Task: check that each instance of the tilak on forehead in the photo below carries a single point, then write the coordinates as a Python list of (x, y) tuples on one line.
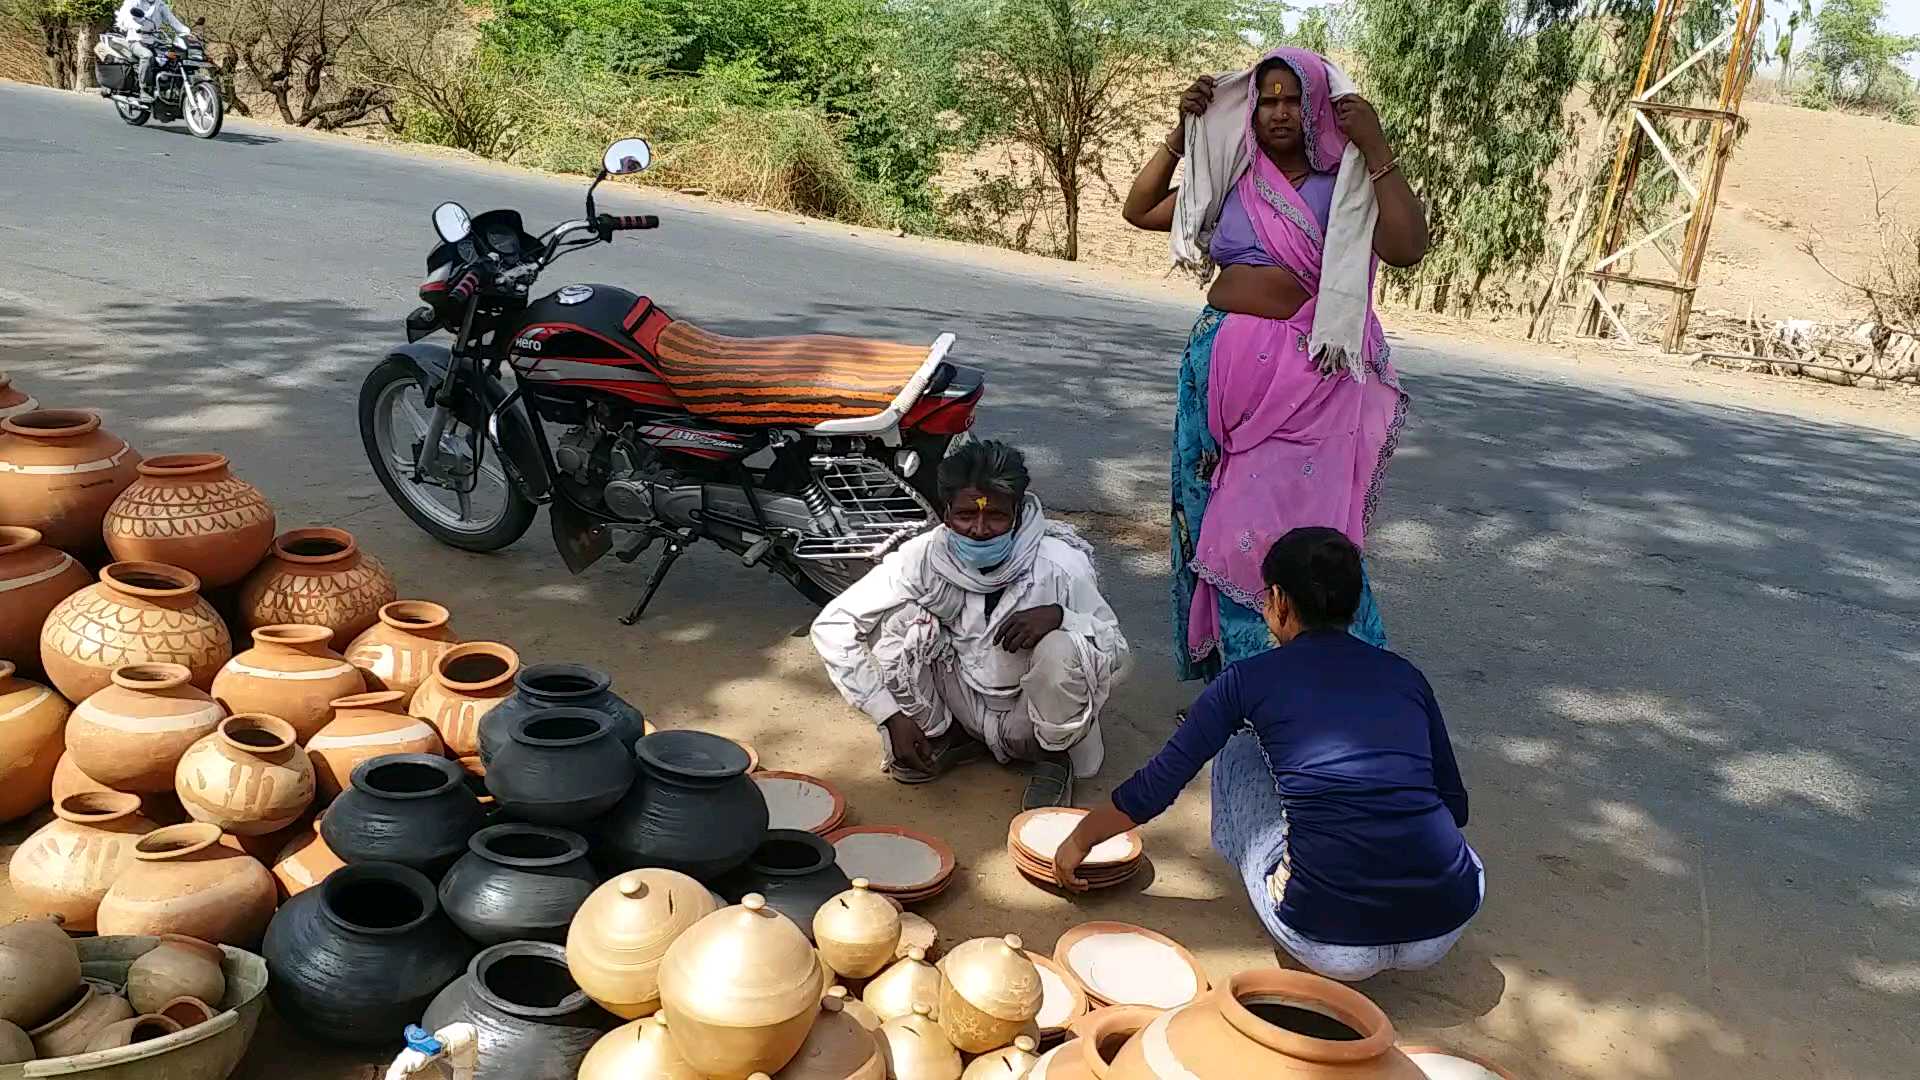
[(979, 502)]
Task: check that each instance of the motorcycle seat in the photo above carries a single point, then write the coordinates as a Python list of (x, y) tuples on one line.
[(831, 384)]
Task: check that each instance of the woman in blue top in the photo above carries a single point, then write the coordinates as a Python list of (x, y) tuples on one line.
[(1335, 790)]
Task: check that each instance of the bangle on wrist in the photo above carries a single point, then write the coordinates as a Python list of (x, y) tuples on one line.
[(1167, 145), (1392, 164)]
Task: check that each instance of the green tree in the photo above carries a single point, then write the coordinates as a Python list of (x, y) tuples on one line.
[(1853, 56)]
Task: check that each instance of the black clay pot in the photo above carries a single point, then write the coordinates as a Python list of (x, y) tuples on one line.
[(795, 870), (518, 883), (560, 767), (550, 686), (534, 1021), (356, 958), (412, 809), (692, 809)]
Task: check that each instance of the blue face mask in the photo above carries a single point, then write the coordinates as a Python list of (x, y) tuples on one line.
[(981, 554)]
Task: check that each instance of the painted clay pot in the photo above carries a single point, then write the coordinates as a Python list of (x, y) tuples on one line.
[(411, 809), (179, 966), (640, 1050), (857, 931), (552, 686), (838, 1048), (248, 777), (360, 956), (39, 972), (317, 576), (534, 1021), (188, 1012), (467, 683), (128, 1032), (399, 651), (17, 1047), (918, 1050), (1006, 1063), (304, 862), (518, 883), (184, 881), (621, 933), (692, 808), (137, 613), (560, 767), (13, 400), (365, 726), (740, 989), (131, 735), (59, 471), (88, 1011), (33, 579), (33, 727), (989, 993), (65, 868), (795, 870), (189, 511), (289, 673), (910, 982)]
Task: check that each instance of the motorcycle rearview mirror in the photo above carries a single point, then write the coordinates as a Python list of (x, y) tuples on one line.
[(627, 156), (450, 220)]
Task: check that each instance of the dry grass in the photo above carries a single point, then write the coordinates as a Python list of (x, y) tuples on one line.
[(22, 57)]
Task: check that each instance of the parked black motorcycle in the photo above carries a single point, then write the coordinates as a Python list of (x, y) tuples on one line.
[(182, 85)]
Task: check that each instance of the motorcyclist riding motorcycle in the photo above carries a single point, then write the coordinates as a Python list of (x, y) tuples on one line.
[(140, 21)]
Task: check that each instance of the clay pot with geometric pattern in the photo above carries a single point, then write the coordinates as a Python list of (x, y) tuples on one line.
[(183, 880), (250, 777), (66, 867), (468, 681), (399, 651), (289, 673), (130, 735), (33, 724), (13, 400), (137, 613), (33, 578), (190, 511), (365, 726), (59, 471), (317, 576)]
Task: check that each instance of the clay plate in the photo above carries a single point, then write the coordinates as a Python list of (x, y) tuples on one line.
[(1122, 964), (892, 859), (798, 801), (1442, 1064), (1062, 1000), (1040, 833)]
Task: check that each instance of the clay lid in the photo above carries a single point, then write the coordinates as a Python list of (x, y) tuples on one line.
[(743, 966), (314, 547), (152, 580), (52, 423), (641, 911), (165, 465), (858, 916), (994, 976), (151, 677), (415, 616)]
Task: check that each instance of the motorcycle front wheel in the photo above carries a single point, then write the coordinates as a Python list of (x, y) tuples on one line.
[(131, 113), (204, 110)]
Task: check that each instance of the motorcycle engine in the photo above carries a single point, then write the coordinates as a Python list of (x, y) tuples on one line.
[(612, 468)]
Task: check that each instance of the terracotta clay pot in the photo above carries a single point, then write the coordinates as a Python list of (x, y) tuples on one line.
[(13, 400), (317, 576), (518, 883), (33, 579), (734, 1019), (641, 1050), (1007, 1063), (910, 982), (534, 1022), (65, 868), (189, 511), (621, 933), (289, 673), (795, 870), (468, 681), (131, 734), (188, 1012), (1099, 1038), (248, 777), (59, 471), (179, 966), (137, 613), (88, 1011), (857, 931), (838, 1048), (365, 726), (692, 808), (399, 651), (560, 686), (17, 1047), (560, 767), (184, 881), (159, 807), (989, 993), (304, 863), (39, 971), (33, 726), (411, 809), (918, 1050), (128, 1032)]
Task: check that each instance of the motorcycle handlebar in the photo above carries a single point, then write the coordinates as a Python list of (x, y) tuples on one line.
[(621, 222)]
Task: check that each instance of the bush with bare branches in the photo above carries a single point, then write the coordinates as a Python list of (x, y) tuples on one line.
[(303, 55)]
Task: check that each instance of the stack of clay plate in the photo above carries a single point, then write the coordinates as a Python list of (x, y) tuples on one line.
[(798, 801), (1062, 1000), (1035, 836), (906, 865)]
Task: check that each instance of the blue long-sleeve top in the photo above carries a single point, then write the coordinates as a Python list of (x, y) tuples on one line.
[(1372, 795)]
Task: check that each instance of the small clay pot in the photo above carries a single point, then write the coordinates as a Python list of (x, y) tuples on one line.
[(131, 735), (179, 966), (88, 1011), (909, 983), (467, 683), (989, 993), (795, 870), (248, 777), (560, 767), (304, 862), (399, 651), (518, 883), (692, 808), (13, 400), (16, 1046), (857, 931), (184, 881), (411, 809), (1006, 1063), (317, 576), (534, 1022), (33, 579), (188, 510), (137, 1030), (59, 471), (730, 1018), (65, 868), (188, 1012), (33, 726), (621, 933), (640, 1050), (364, 727), (918, 1050), (553, 686), (39, 971), (289, 673), (137, 613), (839, 1047)]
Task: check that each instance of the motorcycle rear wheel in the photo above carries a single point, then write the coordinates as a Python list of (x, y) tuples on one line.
[(132, 114), (203, 109)]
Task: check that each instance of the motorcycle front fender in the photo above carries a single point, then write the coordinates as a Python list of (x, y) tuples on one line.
[(512, 438)]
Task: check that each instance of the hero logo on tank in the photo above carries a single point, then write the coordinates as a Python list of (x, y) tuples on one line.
[(534, 340)]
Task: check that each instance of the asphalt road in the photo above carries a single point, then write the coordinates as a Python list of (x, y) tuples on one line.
[(1679, 644)]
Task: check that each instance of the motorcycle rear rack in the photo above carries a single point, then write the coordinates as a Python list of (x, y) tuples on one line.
[(875, 508)]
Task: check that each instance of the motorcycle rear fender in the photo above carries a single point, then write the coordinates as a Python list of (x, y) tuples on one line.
[(517, 444)]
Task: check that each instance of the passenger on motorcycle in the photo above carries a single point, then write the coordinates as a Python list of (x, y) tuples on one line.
[(140, 21), (988, 634)]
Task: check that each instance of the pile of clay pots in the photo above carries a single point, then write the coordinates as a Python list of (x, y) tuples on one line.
[(48, 1010)]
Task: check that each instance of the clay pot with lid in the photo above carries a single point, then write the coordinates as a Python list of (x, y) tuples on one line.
[(518, 883), (13, 400), (39, 971), (177, 967), (693, 808), (910, 982), (838, 1048), (190, 511), (640, 1050), (249, 777), (918, 1050), (795, 870), (989, 993), (137, 613), (740, 989), (304, 862), (65, 868), (33, 726), (289, 673), (33, 579), (317, 576), (468, 682), (534, 1022), (1007, 1063), (131, 735), (622, 932), (91, 1009), (555, 686), (184, 881), (59, 471), (411, 809), (857, 931), (399, 651), (560, 767), (365, 726)]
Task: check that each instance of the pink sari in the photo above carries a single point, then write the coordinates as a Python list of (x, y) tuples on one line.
[(1297, 448)]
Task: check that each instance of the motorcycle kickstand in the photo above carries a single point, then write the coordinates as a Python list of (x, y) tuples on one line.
[(660, 568)]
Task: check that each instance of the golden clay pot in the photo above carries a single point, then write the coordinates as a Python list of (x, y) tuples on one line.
[(65, 868), (59, 471), (917, 1049), (39, 971), (910, 981), (856, 931), (838, 1048), (740, 989), (13, 400), (641, 1050), (137, 613), (189, 511), (33, 736), (249, 777), (304, 863), (184, 881), (467, 682), (33, 579), (289, 673), (854, 1007), (131, 734), (1007, 1063), (317, 576), (989, 993), (398, 652), (89, 1011), (621, 934), (137, 1030), (178, 967), (365, 726)]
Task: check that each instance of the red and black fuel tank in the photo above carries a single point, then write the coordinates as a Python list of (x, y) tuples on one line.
[(580, 323)]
